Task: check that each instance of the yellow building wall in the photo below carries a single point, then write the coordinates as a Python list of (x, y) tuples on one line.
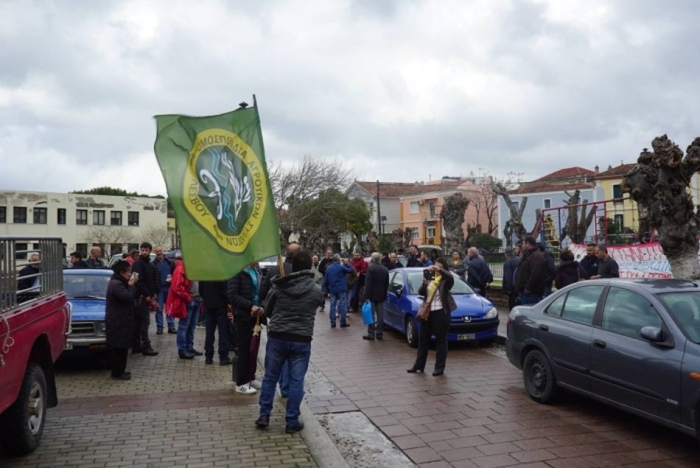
[(627, 208)]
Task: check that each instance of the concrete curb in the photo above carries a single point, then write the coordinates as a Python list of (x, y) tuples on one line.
[(320, 444)]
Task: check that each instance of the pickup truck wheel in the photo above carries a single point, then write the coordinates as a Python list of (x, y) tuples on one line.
[(23, 423), (538, 377), (411, 332)]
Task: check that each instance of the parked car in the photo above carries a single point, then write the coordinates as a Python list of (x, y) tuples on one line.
[(86, 290), (631, 344), (34, 322), (118, 256), (475, 318)]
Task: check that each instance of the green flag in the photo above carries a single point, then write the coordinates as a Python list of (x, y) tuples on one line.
[(218, 184)]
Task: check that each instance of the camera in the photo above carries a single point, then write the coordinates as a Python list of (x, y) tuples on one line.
[(428, 275)]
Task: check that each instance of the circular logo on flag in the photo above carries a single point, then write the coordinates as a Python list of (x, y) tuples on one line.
[(225, 189)]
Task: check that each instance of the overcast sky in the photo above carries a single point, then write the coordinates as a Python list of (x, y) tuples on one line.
[(400, 90)]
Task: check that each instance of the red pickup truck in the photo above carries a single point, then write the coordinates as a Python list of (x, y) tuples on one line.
[(34, 321)]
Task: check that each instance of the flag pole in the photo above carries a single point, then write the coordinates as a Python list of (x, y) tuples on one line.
[(280, 259)]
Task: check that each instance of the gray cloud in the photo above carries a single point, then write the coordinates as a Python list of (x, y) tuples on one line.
[(399, 90)]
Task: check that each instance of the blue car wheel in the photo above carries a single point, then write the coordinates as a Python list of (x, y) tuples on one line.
[(411, 332)]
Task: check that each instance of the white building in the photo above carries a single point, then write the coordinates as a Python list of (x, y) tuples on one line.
[(114, 223)]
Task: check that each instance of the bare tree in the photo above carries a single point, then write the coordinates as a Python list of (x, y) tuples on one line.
[(577, 221), (452, 215), (157, 234), (514, 225), (660, 183), (108, 235), (485, 200), (293, 186)]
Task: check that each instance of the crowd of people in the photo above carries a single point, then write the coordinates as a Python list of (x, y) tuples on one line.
[(287, 300)]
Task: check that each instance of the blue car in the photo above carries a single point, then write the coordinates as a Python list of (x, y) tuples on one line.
[(86, 291), (475, 318)]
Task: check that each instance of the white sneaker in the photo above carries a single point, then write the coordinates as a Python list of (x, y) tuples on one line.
[(245, 389), (256, 384)]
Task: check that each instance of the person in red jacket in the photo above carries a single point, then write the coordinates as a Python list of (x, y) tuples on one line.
[(177, 306), (358, 264)]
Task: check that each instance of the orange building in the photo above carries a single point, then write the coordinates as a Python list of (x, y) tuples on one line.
[(420, 212)]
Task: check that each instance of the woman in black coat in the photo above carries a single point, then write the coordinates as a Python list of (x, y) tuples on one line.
[(119, 317), (243, 291), (438, 323)]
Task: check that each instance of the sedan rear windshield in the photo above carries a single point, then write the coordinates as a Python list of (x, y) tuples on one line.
[(460, 287), (684, 307), (86, 286)]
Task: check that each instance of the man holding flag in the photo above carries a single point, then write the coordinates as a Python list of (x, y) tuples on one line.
[(219, 188)]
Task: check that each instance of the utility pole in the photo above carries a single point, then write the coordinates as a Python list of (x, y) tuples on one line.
[(379, 212)]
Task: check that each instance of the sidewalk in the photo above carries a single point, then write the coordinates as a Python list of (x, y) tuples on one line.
[(174, 413)]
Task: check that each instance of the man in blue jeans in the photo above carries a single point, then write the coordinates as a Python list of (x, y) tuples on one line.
[(336, 285), (164, 268), (186, 326), (291, 309)]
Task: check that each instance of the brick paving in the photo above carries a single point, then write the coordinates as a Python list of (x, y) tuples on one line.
[(478, 415), (174, 413)]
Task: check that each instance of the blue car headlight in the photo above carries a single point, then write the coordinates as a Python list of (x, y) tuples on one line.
[(491, 314), (101, 328)]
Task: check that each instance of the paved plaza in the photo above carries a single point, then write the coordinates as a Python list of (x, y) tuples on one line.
[(182, 413)]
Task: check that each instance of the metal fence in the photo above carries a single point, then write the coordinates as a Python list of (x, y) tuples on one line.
[(19, 284)]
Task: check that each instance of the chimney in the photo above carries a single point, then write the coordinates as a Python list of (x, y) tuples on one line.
[(597, 170)]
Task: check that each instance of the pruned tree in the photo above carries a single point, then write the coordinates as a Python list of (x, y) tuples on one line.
[(577, 221), (514, 225), (157, 234), (484, 200), (660, 182), (294, 186), (452, 215)]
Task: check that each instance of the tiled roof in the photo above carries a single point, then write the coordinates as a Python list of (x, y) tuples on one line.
[(403, 189), (567, 173), (616, 172), (545, 187)]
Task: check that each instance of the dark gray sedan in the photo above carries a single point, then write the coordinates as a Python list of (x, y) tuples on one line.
[(632, 344)]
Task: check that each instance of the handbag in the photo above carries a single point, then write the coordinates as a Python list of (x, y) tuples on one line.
[(367, 315), (424, 311)]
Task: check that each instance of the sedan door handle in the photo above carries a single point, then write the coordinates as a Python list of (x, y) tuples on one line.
[(544, 327), (599, 344)]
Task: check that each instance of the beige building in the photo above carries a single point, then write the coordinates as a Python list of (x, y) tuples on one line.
[(114, 223)]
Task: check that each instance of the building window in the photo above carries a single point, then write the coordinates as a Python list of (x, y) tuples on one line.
[(81, 217), (20, 215), (619, 220), (617, 192), (431, 206), (61, 216), (414, 233), (133, 247), (39, 215), (547, 203), (98, 217), (414, 207), (115, 218), (81, 249), (430, 232), (3, 214), (133, 218), (516, 205)]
